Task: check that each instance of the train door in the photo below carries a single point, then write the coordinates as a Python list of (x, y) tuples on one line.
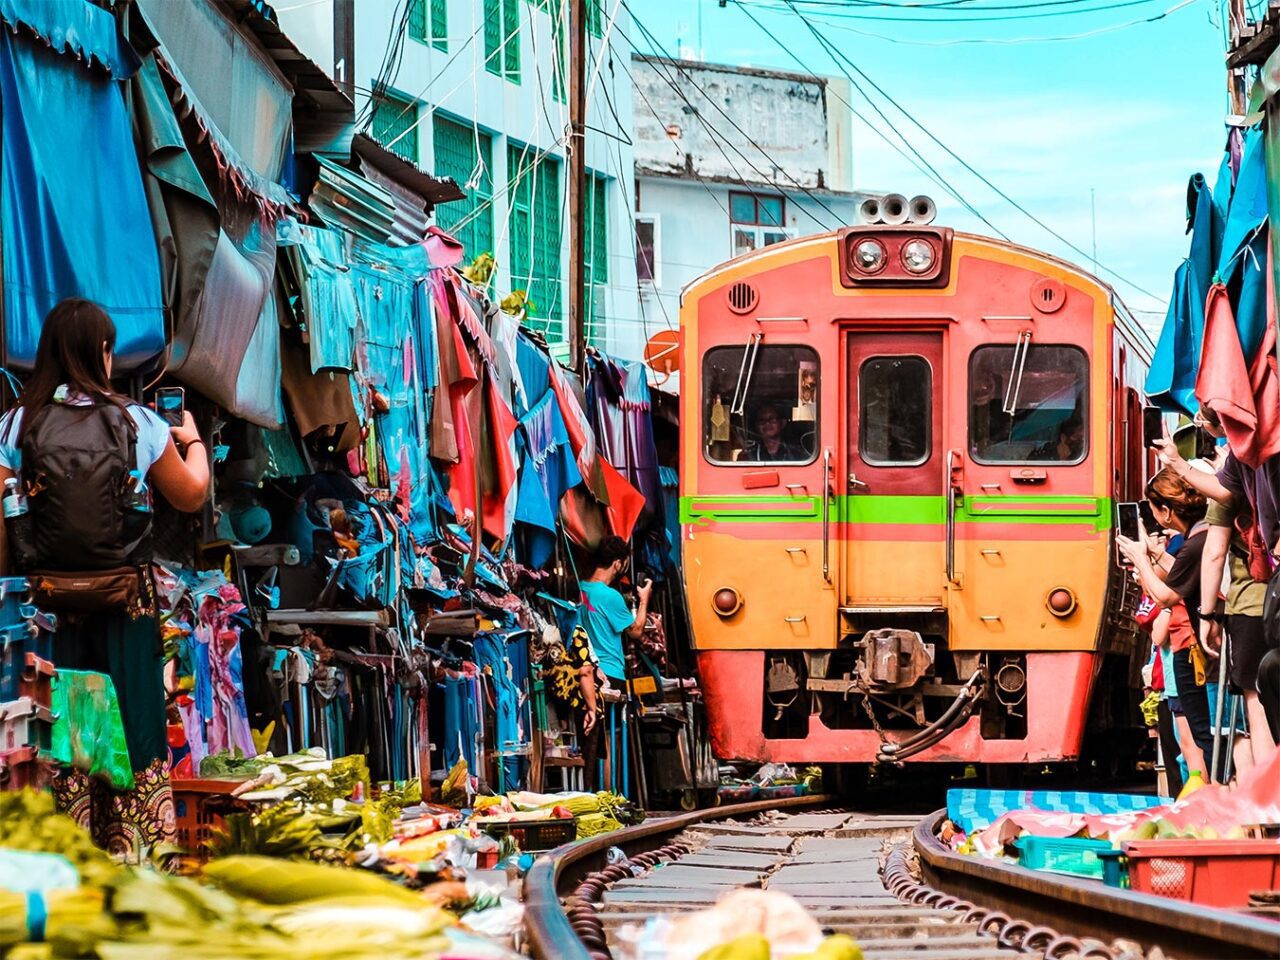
[(894, 554)]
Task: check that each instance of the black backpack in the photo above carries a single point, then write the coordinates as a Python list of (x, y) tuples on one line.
[(1271, 611), (76, 462)]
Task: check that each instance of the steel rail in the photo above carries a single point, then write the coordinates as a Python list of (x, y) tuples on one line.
[(1088, 909), (548, 932)]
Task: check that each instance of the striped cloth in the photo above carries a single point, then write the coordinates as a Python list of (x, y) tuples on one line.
[(972, 809)]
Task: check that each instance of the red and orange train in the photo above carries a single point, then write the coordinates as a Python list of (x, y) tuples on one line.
[(902, 448)]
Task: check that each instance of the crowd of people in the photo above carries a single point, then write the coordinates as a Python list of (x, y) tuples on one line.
[(1204, 561)]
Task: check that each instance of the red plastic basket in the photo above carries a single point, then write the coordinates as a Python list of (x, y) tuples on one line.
[(1214, 873), (200, 806)]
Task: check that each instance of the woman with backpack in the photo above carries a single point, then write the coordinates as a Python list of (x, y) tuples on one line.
[(85, 459)]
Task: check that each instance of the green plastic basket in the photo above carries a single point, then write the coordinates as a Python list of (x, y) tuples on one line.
[(1075, 856)]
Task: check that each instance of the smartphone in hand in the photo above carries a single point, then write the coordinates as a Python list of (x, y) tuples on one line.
[(171, 404), (1127, 519), (1152, 426)]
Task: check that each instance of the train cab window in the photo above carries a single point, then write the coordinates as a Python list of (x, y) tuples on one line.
[(1030, 408), (895, 409), (760, 404)]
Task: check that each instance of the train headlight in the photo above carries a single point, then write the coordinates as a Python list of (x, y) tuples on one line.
[(918, 256), (726, 601), (1061, 602), (869, 256)]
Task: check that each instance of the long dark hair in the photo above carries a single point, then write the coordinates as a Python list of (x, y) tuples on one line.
[(76, 336)]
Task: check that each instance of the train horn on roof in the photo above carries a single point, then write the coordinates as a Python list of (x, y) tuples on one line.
[(869, 210), (893, 209), (922, 209)]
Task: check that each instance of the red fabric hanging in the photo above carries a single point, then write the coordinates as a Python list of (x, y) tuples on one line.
[(625, 501), (499, 445), (465, 408), (1246, 399)]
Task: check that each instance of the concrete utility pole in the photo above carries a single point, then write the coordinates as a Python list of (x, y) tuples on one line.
[(576, 181)]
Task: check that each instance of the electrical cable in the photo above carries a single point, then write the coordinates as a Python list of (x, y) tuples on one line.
[(1001, 41), (837, 55), (662, 65), (1003, 18), (920, 163)]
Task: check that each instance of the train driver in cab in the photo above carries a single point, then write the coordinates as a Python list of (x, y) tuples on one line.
[(1067, 445), (769, 445)]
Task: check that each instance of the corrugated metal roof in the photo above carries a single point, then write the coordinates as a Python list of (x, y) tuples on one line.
[(344, 198)]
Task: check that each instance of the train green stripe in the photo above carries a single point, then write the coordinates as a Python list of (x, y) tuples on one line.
[(870, 509)]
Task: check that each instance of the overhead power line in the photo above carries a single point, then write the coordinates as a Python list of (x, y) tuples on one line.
[(663, 70), (839, 56), (1003, 41), (958, 16), (917, 159)]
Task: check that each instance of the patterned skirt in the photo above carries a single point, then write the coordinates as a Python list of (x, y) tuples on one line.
[(125, 823)]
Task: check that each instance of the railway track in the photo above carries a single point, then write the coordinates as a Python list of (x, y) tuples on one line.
[(883, 879)]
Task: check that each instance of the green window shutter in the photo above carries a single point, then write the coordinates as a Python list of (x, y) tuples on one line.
[(418, 19), (595, 18), (493, 36), (600, 232), (534, 229), (439, 23), (511, 40), (395, 126), (559, 59), (596, 253), (459, 149)]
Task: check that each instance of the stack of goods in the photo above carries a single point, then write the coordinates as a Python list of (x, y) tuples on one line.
[(773, 781), (59, 891), (26, 695), (1214, 834)]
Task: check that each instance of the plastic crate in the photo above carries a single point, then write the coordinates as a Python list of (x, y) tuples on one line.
[(18, 642), (25, 723), (1077, 856), (199, 807), (20, 769), (14, 596), (1213, 873), (1115, 869), (534, 835)]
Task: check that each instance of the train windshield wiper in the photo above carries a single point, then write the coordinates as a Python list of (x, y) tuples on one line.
[(749, 353), (1016, 370)]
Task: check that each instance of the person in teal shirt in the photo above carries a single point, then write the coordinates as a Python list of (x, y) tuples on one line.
[(607, 620)]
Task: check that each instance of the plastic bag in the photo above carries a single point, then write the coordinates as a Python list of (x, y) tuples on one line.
[(88, 733)]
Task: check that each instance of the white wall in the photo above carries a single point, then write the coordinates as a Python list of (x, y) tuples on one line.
[(527, 113), (736, 109), (693, 233)]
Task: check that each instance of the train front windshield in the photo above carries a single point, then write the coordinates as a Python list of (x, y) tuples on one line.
[(760, 404), (1033, 411)]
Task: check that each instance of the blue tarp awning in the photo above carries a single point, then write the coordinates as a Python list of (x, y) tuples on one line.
[(74, 213), (75, 28)]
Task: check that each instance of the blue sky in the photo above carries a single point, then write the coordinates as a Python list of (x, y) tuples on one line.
[(1130, 113)]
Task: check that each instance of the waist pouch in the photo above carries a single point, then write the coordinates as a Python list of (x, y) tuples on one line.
[(91, 591)]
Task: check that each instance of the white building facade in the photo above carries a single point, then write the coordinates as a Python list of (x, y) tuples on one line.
[(476, 90), (728, 160)]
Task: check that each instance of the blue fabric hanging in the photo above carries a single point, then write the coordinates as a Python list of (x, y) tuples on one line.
[(548, 470), (1244, 245), (1171, 381), (460, 698), (75, 219)]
